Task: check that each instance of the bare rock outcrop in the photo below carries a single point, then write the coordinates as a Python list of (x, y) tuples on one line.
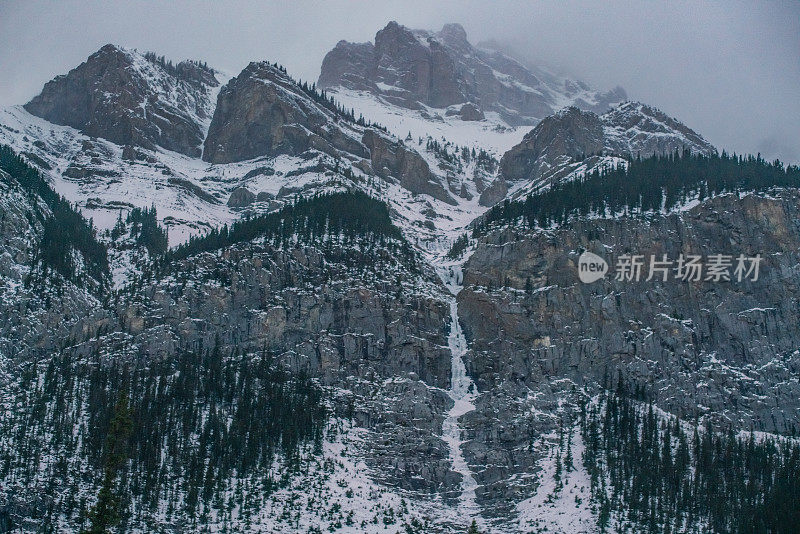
[(263, 112), (132, 99), (391, 158), (241, 197), (440, 69)]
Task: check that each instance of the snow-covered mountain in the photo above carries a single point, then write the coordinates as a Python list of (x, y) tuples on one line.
[(133, 99), (128, 129), (573, 142), (418, 69), (265, 138), (330, 363)]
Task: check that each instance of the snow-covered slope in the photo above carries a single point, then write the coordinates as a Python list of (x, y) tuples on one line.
[(492, 133), (191, 196)]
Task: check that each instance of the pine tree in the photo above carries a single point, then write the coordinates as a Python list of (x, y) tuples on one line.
[(106, 512)]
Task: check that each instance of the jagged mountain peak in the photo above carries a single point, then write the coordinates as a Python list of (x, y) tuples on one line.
[(644, 129), (131, 98), (418, 68), (265, 112), (454, 32)]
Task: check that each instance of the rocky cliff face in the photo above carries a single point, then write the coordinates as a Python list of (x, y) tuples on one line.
[(439, 69), (569, 133), (352, 331), (391, 158), (130, 99), (262, 112), (37, 319), (722, 352), (560, 143)]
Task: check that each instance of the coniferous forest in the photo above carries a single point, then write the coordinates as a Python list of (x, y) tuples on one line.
[(664, 475), (350, 216), (204, 433), (65, 229), (644, 185)]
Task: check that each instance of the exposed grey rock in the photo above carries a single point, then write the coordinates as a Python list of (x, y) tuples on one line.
[(351, 64), (262, 112), (570, 132), (260, 171), (392, 158), (133, 153), (723, 352), (355, 333), (442, 69), (726, 353), (191, 188), (669, 337), (35, 320), (471, 112), (121, 96), (494, 193), (241, 197), (561, 142)]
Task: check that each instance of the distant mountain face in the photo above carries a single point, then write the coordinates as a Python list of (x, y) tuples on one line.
[(239, 135), (127, 129), (150, 106), (132, 99), (410, 68)]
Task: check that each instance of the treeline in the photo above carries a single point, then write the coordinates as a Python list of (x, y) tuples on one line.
[(175, 438), (348, 215), (65, 229), (329, 103), (645, 185), (664, 477), (172, 68)]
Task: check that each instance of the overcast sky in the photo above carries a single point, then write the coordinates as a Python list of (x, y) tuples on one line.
[(729, 70)]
